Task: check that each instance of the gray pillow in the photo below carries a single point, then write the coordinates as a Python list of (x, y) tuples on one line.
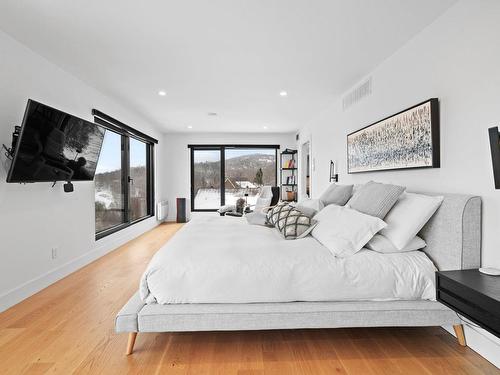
[(336, 194), (310, 207), (375, 199)]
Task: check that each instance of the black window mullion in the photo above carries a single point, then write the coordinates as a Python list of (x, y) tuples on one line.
[(150, 178), (192, 150), (125, 177), (276, 166), (114, 124), (222, 176)]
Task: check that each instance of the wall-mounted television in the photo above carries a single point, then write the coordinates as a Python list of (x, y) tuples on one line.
[(55, 146)]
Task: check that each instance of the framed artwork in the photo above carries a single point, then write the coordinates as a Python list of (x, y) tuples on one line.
[(408, 139)]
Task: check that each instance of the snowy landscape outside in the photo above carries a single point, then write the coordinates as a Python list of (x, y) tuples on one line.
[(246, 171)]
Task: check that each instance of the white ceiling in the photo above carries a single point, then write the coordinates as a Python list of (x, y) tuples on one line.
[(232, 57)]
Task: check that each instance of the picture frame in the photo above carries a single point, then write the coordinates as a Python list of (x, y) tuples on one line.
[(408, 139)]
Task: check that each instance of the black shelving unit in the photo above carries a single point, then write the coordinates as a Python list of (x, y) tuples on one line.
[(288, 175)]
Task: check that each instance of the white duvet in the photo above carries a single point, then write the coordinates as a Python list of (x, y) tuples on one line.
[(215, 259)]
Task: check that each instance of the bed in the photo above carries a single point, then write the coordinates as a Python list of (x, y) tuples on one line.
[(186, 298)]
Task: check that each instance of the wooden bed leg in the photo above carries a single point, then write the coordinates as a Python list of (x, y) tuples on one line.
[(131, 342), (459, 332)]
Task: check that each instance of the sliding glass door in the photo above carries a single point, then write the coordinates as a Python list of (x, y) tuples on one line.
[(246, 171), (221, 174), (206, 179)]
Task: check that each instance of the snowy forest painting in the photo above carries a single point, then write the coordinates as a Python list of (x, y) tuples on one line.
[(409, 139)]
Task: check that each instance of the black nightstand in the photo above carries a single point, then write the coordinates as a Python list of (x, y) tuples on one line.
[(473, 295)]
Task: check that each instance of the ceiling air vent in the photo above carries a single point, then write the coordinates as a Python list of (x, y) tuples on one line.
[(358, 93)]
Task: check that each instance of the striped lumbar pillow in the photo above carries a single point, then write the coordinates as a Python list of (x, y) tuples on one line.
[(375, 199)]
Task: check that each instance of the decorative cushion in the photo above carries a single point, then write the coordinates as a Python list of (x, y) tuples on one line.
[(310, 207), (381, 244), (408, 216), (273, 213), (345, 231), (290, 222), (375, 199), (336, 194)]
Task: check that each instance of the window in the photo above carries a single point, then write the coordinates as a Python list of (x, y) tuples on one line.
[(221, 174), (109, 197), (124, 181), (138, 180), (207, 179)]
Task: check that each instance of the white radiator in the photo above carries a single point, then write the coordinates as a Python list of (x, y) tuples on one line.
[(162, 210)]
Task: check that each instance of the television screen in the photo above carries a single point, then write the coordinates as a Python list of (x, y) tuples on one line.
[(55, 146)]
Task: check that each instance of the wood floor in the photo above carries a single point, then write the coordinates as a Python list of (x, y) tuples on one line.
[(68, 328)]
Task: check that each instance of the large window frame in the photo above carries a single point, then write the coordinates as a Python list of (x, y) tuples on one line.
[(222, 149), (126, 132)]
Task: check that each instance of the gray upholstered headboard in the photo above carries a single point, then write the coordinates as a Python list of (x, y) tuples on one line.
[(453, 234)]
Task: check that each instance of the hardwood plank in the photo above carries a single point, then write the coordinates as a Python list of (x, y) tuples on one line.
[(8, 334), (203, 348), (322, 351), (37, 368), (431, 355), (473, 362), (400, 356), (68, 328)]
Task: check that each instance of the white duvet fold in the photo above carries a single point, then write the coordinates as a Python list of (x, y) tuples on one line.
[(215, 259)]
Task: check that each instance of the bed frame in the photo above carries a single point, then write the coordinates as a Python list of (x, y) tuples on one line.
[(453, 237)]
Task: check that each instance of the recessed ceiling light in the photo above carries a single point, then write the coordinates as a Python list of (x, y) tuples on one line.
[(162, 93), (189, 127), (283, 93), (212, 113), (264, 127)]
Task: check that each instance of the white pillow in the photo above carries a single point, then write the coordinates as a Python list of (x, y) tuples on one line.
[(256, 218), (227, 208), (309, 206), (408, 216), (345, 231), (262, 203), (381, 244)]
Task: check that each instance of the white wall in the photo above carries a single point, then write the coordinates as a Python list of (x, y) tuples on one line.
[(36, 217), (176, 183), (456, 59)]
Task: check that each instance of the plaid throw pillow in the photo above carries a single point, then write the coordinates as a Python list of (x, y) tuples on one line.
[(289, 221)]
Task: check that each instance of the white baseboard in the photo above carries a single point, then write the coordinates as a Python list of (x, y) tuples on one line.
[(30, 287), (481, 341)]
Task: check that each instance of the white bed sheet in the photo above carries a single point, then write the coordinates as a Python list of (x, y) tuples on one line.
[(215, 259)]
